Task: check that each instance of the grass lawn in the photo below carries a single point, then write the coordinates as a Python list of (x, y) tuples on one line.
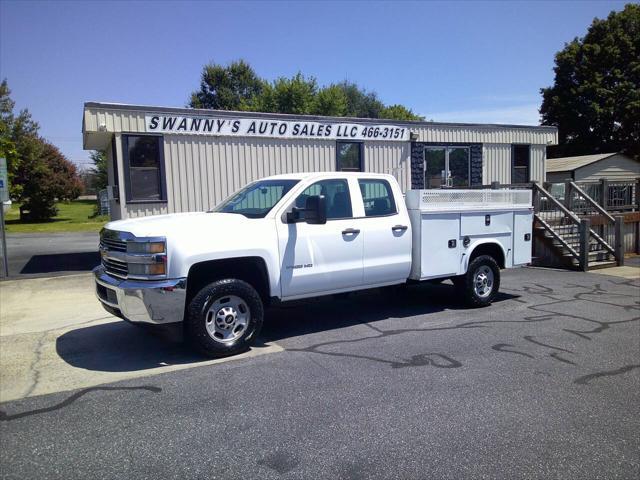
[(72, 217)]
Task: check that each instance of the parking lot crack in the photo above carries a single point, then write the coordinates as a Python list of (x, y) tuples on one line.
[(592, 376), (33, 366), (4, 417)]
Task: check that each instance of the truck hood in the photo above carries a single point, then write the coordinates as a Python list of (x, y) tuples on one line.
[(181, 224)]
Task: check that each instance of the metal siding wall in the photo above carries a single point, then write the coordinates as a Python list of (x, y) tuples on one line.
[(481, 134), (114, 205), (615, 168), (203, 171), (537, 159), (393, 158), (496, 163)]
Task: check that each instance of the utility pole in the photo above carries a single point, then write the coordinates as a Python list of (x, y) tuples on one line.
[(4, 197)]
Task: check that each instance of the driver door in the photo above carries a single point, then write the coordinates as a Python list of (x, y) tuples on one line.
[(316, 259)]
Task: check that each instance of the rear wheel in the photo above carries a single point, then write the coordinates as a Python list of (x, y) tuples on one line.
[(224, 318), (480, 284)]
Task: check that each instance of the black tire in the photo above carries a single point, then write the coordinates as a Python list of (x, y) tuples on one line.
[(465, 284), (198, 318)]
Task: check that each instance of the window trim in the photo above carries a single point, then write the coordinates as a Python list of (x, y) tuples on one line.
[(391, 195), (513, 161), (127, 175), (360, 155)]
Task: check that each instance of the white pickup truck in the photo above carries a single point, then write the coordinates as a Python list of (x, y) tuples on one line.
[(295, 236)]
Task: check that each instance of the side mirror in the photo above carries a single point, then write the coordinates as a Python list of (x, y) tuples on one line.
[(315, 211)]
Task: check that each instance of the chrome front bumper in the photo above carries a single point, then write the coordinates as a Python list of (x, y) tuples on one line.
[(156, 302)]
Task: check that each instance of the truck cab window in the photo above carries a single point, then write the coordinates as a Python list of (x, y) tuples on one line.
[(377, 198), (336, 193), (256, 199)]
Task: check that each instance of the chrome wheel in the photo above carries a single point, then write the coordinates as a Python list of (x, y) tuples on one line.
[(483, 281), (227, 319)]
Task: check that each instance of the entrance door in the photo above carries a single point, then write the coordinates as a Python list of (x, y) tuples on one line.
[(435, 167), (446, 167)]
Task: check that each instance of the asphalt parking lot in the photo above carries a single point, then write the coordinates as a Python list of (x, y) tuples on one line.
[(34, 255), (392, 383)]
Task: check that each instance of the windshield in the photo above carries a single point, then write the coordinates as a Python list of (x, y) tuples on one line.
[(256, 199)]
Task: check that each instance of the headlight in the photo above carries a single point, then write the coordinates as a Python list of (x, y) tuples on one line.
[(145, 247), (147, 258), (145, 269)]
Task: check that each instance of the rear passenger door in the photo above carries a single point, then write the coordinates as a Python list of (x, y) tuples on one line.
[(386, 233)]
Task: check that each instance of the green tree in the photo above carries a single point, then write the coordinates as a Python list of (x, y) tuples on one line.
[(38, 172), (7, 144), (64, 174), (331, 101), (99, 170), (399, 112), (226, 88), (360, 103), (286, 95), (237, 87), (38, 192), (595, 98)]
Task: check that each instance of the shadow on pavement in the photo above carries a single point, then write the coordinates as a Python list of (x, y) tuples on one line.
[(334, 312), (61, 262), (121, 347)]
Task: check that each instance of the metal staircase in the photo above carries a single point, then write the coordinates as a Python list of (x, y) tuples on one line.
[(574, 232)]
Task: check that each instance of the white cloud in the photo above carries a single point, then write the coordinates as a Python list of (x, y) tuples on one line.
[(519, 115)]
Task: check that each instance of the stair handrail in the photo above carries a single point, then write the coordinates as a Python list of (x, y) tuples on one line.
[(557, 203), (592, 202)]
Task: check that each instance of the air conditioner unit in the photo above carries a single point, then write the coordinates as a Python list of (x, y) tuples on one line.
[(113, 192)]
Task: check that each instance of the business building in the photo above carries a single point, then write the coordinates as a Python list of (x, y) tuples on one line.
[(164, 160)]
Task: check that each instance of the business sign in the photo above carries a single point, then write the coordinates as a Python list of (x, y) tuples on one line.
[(4, 181), (249, 127)]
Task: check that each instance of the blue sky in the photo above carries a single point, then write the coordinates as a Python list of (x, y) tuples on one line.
[(449, 61)]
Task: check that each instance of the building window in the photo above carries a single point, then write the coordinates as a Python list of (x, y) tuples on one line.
[(144, 168), (377, 198), (448, 166), (349, 157), (520, 172)]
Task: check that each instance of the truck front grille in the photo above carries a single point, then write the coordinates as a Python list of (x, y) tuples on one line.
[(112, 244), (115, 267)]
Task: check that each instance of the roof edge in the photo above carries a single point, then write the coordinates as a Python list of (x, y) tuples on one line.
[(288, 116)]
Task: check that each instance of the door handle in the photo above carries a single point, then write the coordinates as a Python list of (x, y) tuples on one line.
[(399, 228), (350, 231)]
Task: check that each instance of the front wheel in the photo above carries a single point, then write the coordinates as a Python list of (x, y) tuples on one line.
[(224, 318), (480, 284)]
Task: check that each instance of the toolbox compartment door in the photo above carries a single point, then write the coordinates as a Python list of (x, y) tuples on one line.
[(522, 237), (439, 244)]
